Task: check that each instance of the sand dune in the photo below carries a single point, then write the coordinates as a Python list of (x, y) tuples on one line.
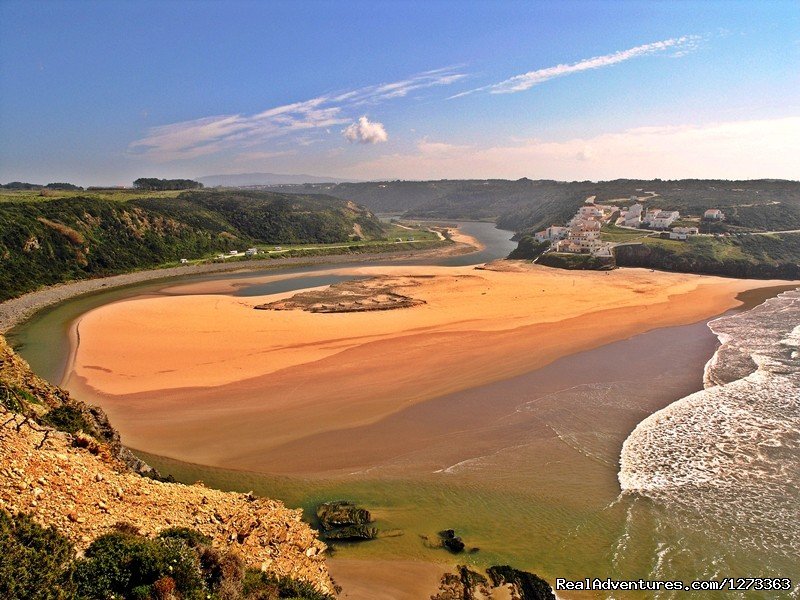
[(208, 379)]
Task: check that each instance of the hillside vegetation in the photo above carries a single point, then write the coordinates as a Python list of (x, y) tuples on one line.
[(81, 236), (750, 256), (532, 205)]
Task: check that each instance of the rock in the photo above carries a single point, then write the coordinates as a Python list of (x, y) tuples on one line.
[(341, 513), (451, 541), (464, 584), (527, 586), (352, 533)]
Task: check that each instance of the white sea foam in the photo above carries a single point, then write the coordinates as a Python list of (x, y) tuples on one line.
[(731, 452)]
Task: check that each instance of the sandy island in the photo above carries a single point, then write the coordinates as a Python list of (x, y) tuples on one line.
[(207, 379)]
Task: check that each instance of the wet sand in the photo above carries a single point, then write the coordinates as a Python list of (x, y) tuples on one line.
[(209, 380), (386, 580)]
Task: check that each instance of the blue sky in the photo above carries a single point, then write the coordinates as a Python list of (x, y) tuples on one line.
[(104, 92)]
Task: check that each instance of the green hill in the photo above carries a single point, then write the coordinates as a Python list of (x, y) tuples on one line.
[(50, 240), (525, 205)]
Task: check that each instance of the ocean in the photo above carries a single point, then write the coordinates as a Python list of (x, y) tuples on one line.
[(724, 462)]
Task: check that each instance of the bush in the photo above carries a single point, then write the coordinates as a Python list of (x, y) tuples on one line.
[(262, 586), (66, 418), (35, 562), (130, 566), (191, 537)]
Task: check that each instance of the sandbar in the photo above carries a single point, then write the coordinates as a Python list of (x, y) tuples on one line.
[(205, 378)]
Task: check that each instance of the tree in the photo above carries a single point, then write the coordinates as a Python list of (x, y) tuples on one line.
[(155, 184)]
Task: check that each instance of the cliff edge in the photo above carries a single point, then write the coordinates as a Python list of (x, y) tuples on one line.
[(61, 463)]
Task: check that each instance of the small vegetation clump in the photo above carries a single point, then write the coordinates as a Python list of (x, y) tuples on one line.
[(528, 248), (153, 183), (66, 418), (35, 562), (40, 564)]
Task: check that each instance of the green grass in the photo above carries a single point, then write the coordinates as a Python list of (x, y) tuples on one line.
[(704, 247), (612, 233), (116, 195), (419, 233)]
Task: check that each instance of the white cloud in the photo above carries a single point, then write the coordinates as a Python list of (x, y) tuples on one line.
[(439, 148), (727, 150), (209, 135), (365, 131), (681, 46)]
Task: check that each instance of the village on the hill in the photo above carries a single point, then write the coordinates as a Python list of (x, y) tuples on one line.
[(583, 233)]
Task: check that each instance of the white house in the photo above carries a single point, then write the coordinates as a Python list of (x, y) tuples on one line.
[(714, 214), (589, 212), (633, 215), (660, 219), (686, 230), (550, 234), (251, 252)]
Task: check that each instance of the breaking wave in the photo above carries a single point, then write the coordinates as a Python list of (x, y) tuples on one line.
[(728, 457)]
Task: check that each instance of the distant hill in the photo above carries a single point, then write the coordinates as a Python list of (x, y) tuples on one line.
[(526, 205), (259, 179), (79, 237)]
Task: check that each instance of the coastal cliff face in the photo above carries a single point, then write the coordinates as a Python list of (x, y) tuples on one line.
[(80, 482), (753, 266)]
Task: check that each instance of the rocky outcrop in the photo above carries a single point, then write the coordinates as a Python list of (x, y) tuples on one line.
[(502, 581), (341, 520), (377, 293), (63, 463), (451, 541), (564, 260), (84, 492), (528, 248), (22, 391), (524, 585)]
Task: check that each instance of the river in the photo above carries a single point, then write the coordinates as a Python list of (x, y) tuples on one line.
[(525, 469)]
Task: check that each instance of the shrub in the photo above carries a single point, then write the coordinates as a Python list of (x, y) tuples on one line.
[(66, 418), (191, 537), (262, 586), (35, 562), (129, 565)]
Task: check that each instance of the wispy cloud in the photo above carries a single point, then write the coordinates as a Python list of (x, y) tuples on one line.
[(365, 131), (209, 135), (519, 83), (727, 150)]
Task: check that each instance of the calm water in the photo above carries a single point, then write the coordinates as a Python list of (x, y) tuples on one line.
[(526, 469)]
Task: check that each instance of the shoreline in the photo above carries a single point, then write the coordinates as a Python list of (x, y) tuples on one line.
[(16, 311), (391, 358)]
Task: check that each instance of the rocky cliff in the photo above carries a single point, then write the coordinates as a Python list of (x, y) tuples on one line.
[(62, 463)]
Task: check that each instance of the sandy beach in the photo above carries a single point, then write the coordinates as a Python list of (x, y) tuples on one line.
[(207, 379), (15, 311)]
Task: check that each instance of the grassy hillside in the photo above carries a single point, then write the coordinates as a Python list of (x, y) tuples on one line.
[(50, 240), (757, 256), (531, 205)]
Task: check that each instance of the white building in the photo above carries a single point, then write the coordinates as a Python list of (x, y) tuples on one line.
[(251, 252), (686, 230), (660, 219), (589, 212), (551, 234), (632, 216), (714, 214)]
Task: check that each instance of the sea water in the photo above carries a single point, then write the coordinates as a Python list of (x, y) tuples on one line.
[(724, 463)]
